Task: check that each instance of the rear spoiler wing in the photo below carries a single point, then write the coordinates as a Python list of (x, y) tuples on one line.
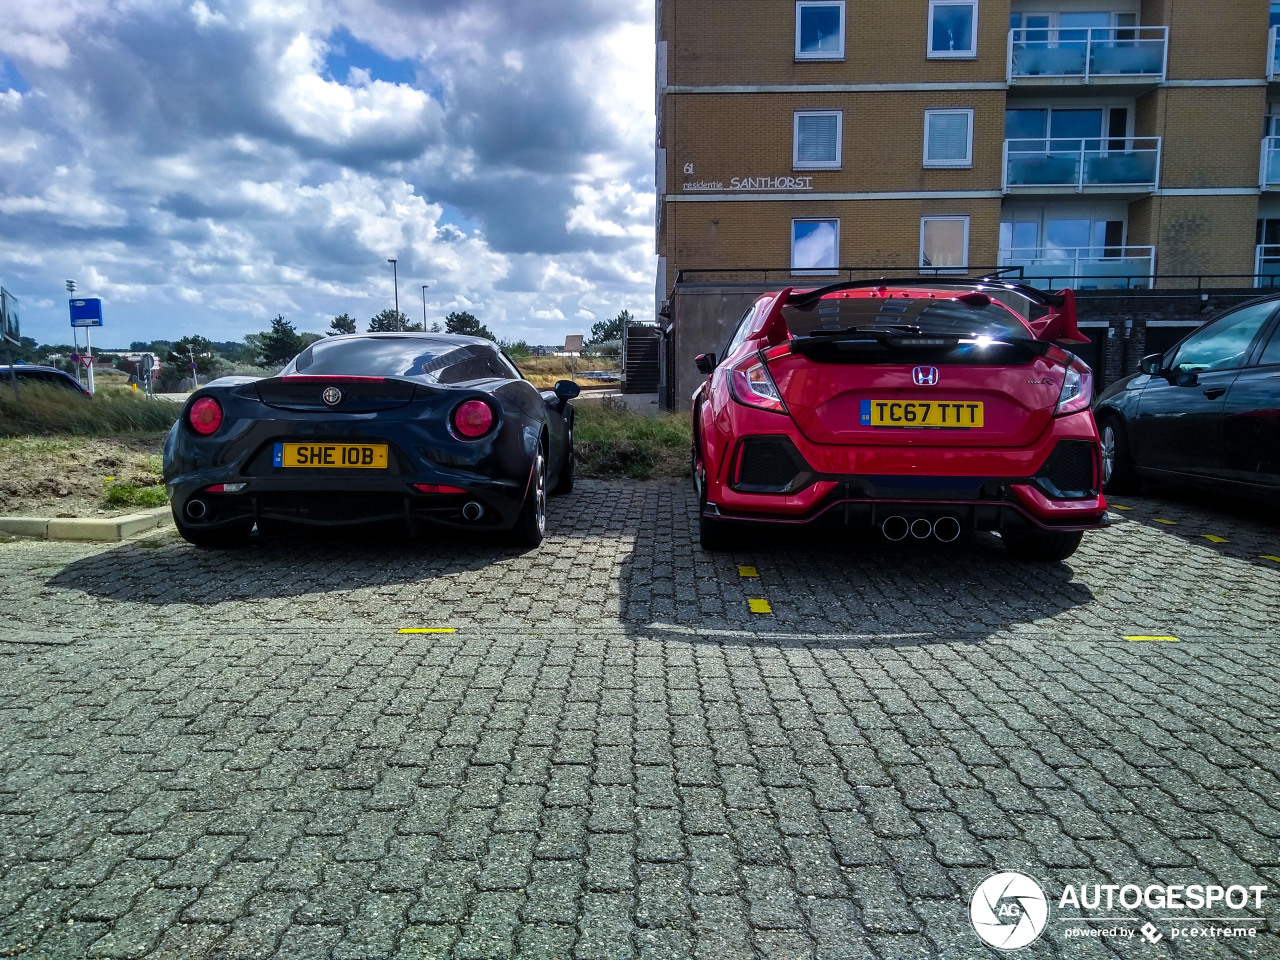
[(1059, 325)]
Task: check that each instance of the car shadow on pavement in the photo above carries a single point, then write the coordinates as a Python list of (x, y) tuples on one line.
[(164, 569), (837, 586)]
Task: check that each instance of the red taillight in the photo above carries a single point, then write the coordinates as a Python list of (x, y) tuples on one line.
[(205, 416), (1077, 388), (436, 488), (472, 419), (750, 383)]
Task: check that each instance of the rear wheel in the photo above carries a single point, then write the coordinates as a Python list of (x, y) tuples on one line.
[(1041, 546), (531, 525), (1118, 475), (713, 534), (564, 484), (232, 534)]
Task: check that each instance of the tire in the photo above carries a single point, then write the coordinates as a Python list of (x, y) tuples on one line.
[(1118, 475), (1041, 546), (227, 535), (713, 535), (531, 524), (564, 484)]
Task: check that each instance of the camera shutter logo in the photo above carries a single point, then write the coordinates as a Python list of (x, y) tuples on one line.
[(332, 396), (1009, 910)]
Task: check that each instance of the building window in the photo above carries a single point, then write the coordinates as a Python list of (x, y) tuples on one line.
[(819, 30), (944, 242), (815, 246), (953, 28), (948, 138), (817, 140)]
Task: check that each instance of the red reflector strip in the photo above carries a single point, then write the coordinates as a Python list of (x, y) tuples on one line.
[(318, 378), (437, 488), (781, 350), (216, 488)]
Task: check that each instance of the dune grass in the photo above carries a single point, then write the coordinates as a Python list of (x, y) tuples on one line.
[(44, 409), (613, 443)]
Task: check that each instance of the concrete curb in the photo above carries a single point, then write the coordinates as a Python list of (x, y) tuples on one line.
[(74, 528)]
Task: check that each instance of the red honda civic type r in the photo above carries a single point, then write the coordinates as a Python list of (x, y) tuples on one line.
[(922, 407)]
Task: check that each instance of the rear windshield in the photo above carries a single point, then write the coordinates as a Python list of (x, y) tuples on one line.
[(940, 315), (444, 361)]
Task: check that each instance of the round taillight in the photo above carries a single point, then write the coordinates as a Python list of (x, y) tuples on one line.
[(472, 419), (205, 416)]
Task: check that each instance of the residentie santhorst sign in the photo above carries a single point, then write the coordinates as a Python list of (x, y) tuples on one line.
[(748, 183)]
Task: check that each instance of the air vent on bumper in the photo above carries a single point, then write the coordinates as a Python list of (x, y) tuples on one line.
[(770, 465), (1070, 471)]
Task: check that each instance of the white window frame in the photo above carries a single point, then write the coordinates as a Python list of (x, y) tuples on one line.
[(815, 271), (932, 54), (960, 268), (954, 164), (796, 162), (821, 55)]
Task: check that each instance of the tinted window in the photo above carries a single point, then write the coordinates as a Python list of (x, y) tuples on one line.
[(443, 360), (929, 315), (739, 332), (1272, 353), (1222, 345)]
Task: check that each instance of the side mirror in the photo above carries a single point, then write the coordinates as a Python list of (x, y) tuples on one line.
[(1151, 365), (705, 362), (567, 389)]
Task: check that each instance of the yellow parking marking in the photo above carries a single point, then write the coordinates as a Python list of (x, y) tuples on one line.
[(747, 571), (1266, 556), (1212, 539), (1154, 639), (1170, 523), (759, 606), (427, 630), (1118, 506)]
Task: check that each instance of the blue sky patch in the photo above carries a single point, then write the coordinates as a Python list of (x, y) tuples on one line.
[(345, 52), (10, 78)]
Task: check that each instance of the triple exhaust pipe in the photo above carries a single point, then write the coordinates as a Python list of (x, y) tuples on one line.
[(897, 528)]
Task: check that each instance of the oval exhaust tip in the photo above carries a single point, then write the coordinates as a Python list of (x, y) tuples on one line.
[(197, 509), (472, 510), (921, 528), (895, 528)]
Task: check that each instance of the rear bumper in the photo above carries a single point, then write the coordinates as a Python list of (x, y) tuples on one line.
[(783, 478)]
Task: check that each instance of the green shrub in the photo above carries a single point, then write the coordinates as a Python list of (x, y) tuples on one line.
[(121, 494), (639, 446), (46, 409)]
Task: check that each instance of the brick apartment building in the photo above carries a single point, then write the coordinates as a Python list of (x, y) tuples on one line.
[(1093, 143)]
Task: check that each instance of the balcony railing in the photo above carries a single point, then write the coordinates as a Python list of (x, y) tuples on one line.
[(1273, 54), (1269, 174), (1088, 53), (1081, 165), (1266, 265), (1084, 268)]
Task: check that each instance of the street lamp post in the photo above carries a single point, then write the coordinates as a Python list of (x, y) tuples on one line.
[(396, 282), (424, 307)]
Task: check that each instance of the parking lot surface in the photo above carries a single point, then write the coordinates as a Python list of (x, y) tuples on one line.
[(622, 746)]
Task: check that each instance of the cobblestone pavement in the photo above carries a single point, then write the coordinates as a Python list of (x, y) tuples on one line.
[(240, 755)]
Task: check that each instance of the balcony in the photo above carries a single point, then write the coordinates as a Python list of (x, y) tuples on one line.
[(1117, 166), (1273, 55), (1266, 265), (1077, 55), (1084, 268), (1269, 174)]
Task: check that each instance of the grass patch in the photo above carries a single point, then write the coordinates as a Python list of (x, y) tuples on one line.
[(613, 443), (120, 493), (113, 411)]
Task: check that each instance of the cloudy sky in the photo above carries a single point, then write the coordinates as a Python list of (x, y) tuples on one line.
[(203, 166)]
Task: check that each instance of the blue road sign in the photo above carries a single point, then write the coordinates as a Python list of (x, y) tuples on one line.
[(86, 312)]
